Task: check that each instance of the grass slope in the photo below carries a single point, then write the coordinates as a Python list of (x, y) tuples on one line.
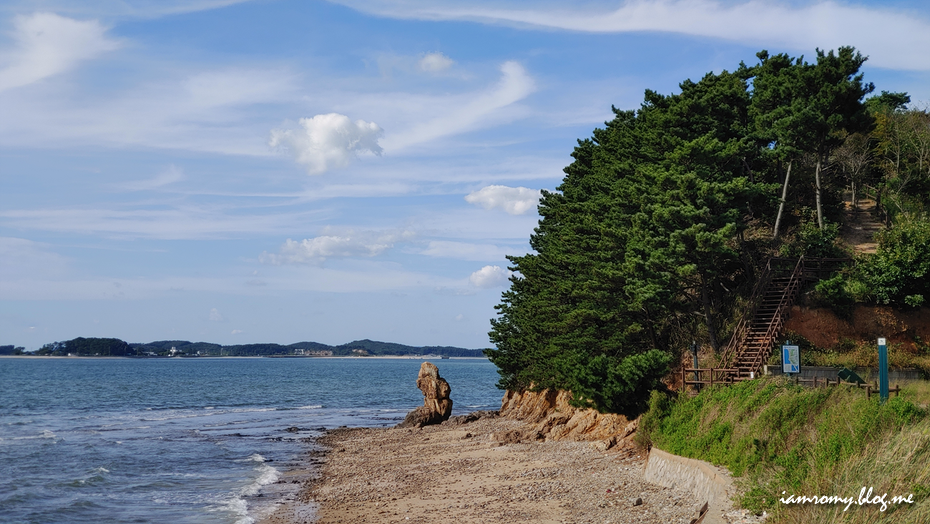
[(782, 439)]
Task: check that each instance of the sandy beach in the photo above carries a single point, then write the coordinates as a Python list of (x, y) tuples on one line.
[(476, 472)]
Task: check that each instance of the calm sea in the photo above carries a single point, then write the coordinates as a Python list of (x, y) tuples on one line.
[(189, 440)]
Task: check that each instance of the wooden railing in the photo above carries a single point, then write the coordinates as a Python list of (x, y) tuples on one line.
[(707, 376), (801, 270), (724, 376), (742, 328), (778, 319)]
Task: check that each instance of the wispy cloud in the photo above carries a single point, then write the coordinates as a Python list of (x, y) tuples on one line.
[(467, 251), (893, 38), (169, 176), (180, 223), (466, 112), (46, 44), (127, 8), (204, 111), (513, 200), (21, 258)]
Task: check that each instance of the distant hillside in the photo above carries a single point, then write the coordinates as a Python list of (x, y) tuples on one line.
[(115, 347)]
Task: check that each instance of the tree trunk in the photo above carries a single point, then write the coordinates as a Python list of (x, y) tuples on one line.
[(854, 202), (781, 206), (709, 316), (817, 178)]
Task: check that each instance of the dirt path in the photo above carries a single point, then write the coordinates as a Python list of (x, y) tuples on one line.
[(860, 226)]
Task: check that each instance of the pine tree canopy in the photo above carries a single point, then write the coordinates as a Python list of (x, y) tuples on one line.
[(638, 248)]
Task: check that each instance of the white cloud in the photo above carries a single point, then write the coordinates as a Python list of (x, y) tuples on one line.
[(235, 332), (513, 200), (215, 315), (349, 244), (893, 38), (434, 62), (490, 276), (327, 141), (467, 113), (47, 44)]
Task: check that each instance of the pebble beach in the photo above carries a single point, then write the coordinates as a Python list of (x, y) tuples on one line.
[(475, 472)]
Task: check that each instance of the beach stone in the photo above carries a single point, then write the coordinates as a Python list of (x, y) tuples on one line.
[(437, 406)]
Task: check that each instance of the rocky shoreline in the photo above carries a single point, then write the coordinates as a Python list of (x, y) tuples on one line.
[(469, 471)]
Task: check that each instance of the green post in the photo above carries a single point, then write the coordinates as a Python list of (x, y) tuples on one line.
[(882, 370)]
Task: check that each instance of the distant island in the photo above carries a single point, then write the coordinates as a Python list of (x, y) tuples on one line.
[(114, 347)]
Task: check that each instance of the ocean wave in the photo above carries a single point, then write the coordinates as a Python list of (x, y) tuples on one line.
[(45, 434), (315, 406), (251, 410), (240, 508), (267, 475)]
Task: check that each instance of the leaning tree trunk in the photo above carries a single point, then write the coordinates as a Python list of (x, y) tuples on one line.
[(781, 206), (709, 316), (817, 178), (853, 201)]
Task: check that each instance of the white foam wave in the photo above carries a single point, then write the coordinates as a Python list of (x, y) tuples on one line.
[(101, 470), (45, 434), (267, 475), (257, 458), (316, 406), (209, 407), (241, 509), (252, 410)]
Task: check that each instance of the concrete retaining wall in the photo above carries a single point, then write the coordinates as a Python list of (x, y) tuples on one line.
[(708, 482)]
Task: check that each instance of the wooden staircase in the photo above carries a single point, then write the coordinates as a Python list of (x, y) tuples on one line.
[(761, 326), (759, 329)]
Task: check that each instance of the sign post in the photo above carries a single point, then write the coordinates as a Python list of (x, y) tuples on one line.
[(790, 358), (882, 370)]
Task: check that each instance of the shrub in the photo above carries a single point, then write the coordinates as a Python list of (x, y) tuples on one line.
[(899, 271)]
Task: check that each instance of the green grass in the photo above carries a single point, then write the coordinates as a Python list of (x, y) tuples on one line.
[(777, 437)]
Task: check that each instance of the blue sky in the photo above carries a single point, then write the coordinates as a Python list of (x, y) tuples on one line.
[(280, 171)]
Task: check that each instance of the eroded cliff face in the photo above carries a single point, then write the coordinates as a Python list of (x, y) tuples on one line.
[(550, 417), (825, 329)]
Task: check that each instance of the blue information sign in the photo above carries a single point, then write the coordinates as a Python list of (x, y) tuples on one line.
[(791, 359)]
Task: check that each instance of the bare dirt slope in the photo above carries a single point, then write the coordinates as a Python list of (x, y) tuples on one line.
[(860, 226)]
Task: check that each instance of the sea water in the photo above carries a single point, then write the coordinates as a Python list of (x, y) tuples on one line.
[(192, 440)]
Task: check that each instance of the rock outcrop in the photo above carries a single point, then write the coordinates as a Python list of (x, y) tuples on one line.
[(552, 418), (437, 406)]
